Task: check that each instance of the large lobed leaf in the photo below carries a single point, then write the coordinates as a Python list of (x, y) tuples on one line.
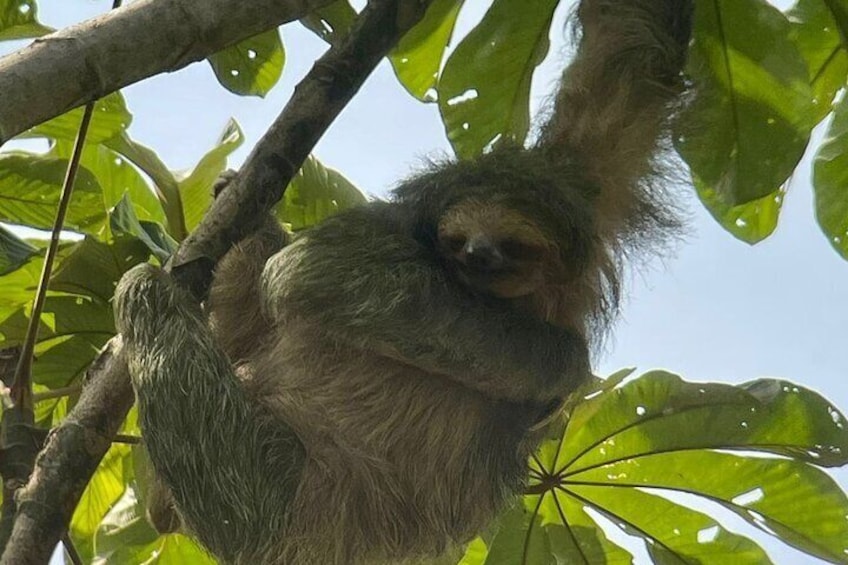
[(77, 318), (631, 449)]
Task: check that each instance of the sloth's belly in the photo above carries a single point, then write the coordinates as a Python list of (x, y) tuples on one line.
[(434, 458)]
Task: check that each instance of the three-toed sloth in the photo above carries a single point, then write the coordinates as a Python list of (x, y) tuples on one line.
[(371, 392)]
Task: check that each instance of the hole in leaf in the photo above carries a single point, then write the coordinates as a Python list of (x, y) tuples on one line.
[(750, 497), (708, 535), (469, 94)]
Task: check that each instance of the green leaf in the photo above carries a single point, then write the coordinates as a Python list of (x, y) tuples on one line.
[(582, 541), (678, 534), (116, 177), (484, 90), (751, 120), (751, 222), (251, 67), (124, 531), (19, 20), (124, 536), (418, 55), (110, 118), (764, 492), (17, 287), (519, 539), (165, 183), (104, 490), (13, 251), (315, 193), (646, 415), (64, 361), (817, 36), (196, 188), (93, 268), (830, 181), (475, 553), (71, 332), (123, 222), (331, 23), (839, 11), (30, 187), (63, 317)]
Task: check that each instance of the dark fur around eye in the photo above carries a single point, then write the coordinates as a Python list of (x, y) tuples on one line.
[(454, 243), (520, 250)]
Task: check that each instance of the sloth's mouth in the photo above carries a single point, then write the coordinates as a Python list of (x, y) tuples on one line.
[(508, 282), (472, 275)]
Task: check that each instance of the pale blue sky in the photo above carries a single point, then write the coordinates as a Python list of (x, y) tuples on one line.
[(716, 310)]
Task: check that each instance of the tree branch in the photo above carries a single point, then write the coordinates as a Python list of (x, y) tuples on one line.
[(77, 445), (65, 465), (86, 61)]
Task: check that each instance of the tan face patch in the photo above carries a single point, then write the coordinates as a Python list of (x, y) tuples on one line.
[(496, 249)]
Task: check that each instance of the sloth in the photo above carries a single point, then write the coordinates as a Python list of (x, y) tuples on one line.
[(371, 391)]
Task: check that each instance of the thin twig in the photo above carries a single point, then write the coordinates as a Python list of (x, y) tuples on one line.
[(57, 392), (22, 387)]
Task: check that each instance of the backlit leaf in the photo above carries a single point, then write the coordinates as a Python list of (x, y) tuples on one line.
[(484, 90), (251, 67)]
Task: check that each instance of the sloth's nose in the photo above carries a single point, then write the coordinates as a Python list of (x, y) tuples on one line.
[(482, 254)]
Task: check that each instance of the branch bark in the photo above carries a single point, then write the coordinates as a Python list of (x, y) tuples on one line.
[(69, 458), (84, 62), (76, 446)]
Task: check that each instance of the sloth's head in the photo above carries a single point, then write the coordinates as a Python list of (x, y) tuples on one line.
[(509, 223)]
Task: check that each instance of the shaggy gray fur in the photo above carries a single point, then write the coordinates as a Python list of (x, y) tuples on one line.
[(412, 396)]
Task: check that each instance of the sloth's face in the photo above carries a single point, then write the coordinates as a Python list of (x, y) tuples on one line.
[(496, 250)]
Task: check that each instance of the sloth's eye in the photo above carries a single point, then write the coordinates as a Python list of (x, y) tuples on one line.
[(454, 243), (521, 250)]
